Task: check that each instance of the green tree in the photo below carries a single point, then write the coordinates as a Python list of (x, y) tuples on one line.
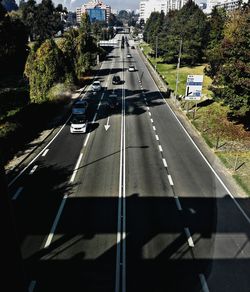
[(234, 74), (44, 68), (216, 34), (189, 24)]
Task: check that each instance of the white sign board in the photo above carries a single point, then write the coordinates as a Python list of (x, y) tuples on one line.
[(194, 87)]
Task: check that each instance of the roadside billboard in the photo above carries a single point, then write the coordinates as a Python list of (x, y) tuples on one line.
[(194, 87)]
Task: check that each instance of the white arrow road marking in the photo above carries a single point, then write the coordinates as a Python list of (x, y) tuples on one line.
[(107, 126)]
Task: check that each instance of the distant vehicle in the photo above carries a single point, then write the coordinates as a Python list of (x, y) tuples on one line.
[(96, 86), (129, 55), (78, 124), (116, 79), (132, 47), (131, 68), (79, 108)]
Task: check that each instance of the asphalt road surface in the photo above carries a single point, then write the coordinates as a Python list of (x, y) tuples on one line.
[(132, 206)]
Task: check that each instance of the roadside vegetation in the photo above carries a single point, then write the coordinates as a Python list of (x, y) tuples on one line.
[(220, 50), (40, 71)]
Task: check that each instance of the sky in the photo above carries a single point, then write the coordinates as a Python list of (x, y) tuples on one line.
[(115, 4)]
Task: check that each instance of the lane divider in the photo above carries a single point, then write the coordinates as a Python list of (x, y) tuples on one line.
[(203, 281), (45, 152), (33, 169), (17, 193), (189, 237)]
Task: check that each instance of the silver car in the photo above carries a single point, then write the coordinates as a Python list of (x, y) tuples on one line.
[(96, 86)]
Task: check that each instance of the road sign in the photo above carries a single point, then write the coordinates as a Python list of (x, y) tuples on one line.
[(194, 87)]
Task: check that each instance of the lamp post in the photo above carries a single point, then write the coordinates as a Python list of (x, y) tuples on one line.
[(177, 70), (156, 51)]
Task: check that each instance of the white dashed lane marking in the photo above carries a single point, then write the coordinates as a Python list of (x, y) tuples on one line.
[(160, 148), (164, 162), (178, 204), (45, 152), (157, 137), (33, 169), (170, 180), (189, 237), (17, 193)]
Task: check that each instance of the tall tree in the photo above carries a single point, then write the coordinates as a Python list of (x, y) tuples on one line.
[(216, 34), (234, 74), (44, 68)]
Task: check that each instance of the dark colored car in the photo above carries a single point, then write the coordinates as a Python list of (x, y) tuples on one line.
[(132, 47), (116, 79), (113, 101)]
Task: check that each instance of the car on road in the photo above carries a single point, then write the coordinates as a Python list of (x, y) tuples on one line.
[(116, 79), (96, 86), (113, 101), (78, 124), (132, 47), (79, 107), (129, 55), (131, 68)]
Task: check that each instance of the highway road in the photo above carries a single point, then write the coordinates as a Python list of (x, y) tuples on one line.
[(135, 207)]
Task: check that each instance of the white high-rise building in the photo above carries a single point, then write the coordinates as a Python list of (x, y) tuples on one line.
[(227, 4), (149, 6)]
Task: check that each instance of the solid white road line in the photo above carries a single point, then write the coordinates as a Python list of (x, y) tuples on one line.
[(157, 137), (94, 118), (120, 195), (33, 169), (170, 180), (160, 148), (151, 120), (178, 204), (189, 237), (154, 128), (32, 286), (22, 171), (45, 152), (17, 193), (203, 281), (58, 215), (76, 168), (164, 162), (202, 155)]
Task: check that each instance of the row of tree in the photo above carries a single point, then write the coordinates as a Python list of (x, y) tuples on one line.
[(62, 62), (221, 40)]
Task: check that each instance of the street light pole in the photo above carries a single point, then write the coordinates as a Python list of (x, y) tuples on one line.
[(177, 70), (156, 47)]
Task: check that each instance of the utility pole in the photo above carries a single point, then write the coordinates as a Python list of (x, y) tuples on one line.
[(177, 70), (156, 47)]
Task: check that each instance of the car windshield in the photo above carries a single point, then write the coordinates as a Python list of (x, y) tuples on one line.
[(79, 105), (78, 120)]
